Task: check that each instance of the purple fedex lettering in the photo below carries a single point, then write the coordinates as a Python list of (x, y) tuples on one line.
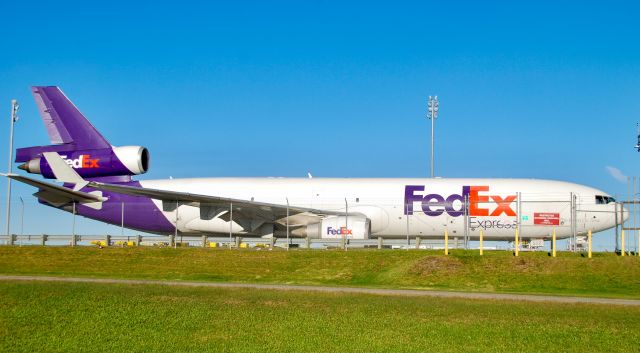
[(410, 197), (434, 204), (450, 210), (433, 200)]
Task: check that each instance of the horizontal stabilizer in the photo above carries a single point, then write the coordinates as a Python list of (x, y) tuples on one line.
[(63, 172), (58, 194), (61, 169)]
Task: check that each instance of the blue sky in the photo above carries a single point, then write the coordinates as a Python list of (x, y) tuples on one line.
[(538, 89)]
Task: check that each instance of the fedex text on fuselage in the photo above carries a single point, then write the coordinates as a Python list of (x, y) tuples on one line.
[(481, 202)]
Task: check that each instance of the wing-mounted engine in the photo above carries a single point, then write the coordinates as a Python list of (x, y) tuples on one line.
[(337, 227)]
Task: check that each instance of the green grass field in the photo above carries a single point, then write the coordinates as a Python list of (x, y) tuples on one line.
[(91, 317), (605, 275), (73, 317)]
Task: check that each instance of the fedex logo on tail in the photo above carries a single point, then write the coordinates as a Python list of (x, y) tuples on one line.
[(481, 203), (83, 161)]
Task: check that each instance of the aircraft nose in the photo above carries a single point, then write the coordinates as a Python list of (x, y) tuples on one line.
[(625, 213)]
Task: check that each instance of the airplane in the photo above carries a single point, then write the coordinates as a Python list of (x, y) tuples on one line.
[(98, 184)]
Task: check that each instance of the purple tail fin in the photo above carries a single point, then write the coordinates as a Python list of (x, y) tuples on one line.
[(64, 122), (68, 129), (77, 142)]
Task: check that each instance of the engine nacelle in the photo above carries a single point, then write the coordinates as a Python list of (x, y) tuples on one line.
[(337, 227), (116, 161), (135, 158)]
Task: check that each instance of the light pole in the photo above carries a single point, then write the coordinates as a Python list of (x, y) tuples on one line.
[(432, 114), (638, 144), (22, 218), (14, 118), (346, 223)]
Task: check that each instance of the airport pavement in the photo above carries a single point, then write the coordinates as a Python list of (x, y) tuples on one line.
[(347, 290)]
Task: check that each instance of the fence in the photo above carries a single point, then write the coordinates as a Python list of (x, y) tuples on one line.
[(412, 223)]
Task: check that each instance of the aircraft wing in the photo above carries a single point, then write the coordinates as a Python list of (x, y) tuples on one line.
[(253, 214), (211, 206)]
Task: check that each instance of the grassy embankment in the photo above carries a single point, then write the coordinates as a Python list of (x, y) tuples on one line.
[(74, 317), (606, 275)]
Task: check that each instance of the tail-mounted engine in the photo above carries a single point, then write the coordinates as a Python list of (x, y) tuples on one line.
[(116, 161)]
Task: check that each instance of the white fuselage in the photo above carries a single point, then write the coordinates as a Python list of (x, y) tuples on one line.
[(415, 207)]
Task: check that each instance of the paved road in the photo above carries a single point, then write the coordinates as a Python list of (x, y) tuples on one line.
[(355, 290)]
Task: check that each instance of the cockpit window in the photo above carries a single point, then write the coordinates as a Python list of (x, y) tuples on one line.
[(603, 200)]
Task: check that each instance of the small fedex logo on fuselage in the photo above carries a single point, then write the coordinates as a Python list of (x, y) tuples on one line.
[(480, 203), (83, 161), (340, 231)]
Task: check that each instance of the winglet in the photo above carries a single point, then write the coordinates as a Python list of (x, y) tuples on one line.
[(63, 172)]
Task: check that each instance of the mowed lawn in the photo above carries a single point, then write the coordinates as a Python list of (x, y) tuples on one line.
[(82, 317), (605, 275)]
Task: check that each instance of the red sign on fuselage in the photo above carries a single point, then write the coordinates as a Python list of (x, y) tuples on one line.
[(546, 219)]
